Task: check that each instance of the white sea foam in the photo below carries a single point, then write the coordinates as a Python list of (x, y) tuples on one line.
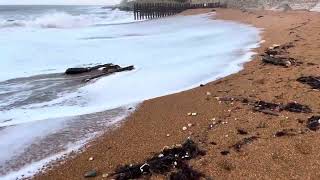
[(63, 20), (170, 55)]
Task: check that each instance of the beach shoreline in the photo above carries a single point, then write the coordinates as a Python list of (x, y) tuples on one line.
[(158, 122)]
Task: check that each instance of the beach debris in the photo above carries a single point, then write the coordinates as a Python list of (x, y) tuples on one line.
[(313, 123), (286, 132), (91, 158), (185, 172), (208, 93), (225, 152), (184, 128), (190, 125), (313, 81), (108, 72), (278, 55), (245, 141), (242, 131), (267, 107), (194, 114), (168, 135), (189, 114), (296, 107), (80, 70), (89, 174), (97, 71), (171, 161)]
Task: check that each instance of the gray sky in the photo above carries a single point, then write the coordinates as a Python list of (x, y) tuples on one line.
[(73, 2)]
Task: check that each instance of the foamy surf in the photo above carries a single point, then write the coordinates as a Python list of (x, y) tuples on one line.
[(170, 55)]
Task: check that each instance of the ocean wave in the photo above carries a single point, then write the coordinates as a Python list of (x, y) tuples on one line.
[(64, 20)]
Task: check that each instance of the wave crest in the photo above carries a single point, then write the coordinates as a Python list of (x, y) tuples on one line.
[(65, 20)]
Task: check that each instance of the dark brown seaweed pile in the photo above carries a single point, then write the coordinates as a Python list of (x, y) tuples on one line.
[(172, 162)]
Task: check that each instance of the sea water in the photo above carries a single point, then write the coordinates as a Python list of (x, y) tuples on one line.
[(44, 114)]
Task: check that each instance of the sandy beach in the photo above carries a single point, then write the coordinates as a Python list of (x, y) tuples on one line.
[(283, 147)]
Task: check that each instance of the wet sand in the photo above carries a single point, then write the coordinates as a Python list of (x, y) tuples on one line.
[(293, 156)]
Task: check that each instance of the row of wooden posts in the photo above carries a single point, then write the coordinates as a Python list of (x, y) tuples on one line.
[(157, 10)]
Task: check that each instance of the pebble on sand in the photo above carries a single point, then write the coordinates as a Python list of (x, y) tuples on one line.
[(190, 125), (184, 128), (208, 93), (91, 159), (168, 135), (194, 114)]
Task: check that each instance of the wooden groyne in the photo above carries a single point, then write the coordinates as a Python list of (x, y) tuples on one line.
[(158, 10)]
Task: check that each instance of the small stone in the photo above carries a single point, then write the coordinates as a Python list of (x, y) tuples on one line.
[(242, 131), (194, 114), (184, 128), (226, 152), (189, 114), (189, 125), (208, 93), (168, 135), (91, 159), (89, 174), (227, 135)]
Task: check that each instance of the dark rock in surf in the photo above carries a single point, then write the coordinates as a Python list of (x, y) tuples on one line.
[(71, 71)]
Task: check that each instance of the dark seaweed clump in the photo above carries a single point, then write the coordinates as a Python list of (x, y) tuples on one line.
[(312, 81), (245, 141), (313, 123), (171, 161)]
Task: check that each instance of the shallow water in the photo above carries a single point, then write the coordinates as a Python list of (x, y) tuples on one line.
[(44, 113)]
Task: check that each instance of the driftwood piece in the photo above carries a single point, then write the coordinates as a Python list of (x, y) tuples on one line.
[(110, 71)]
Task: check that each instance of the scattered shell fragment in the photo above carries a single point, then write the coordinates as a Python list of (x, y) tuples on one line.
[(194, 114), (208, 93), (189, 125), (105, 175), (189, 114), (184, 128), (160, 155), (168, 135), (91, 159)]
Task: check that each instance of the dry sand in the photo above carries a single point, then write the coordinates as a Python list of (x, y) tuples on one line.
[(289, 157)]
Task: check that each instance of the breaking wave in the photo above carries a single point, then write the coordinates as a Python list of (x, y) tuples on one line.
[(63, 20)]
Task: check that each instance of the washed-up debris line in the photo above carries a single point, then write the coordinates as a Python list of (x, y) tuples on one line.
[(278, 55), (313, 123), (312, 81), (98, 71), (171, 162), (245, 141), (270, 108), (287, 132)]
